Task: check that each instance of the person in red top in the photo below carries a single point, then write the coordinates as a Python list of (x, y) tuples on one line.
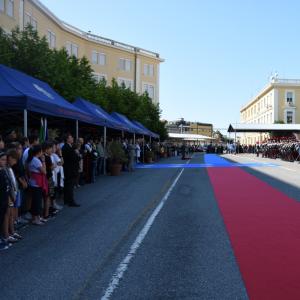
[(37, 170)]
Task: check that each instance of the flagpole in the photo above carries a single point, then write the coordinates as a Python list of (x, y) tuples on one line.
[(45, 129), (104, 146), (77, 130), (25, 123)]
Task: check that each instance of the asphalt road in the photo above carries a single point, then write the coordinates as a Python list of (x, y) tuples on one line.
[(186, 254)]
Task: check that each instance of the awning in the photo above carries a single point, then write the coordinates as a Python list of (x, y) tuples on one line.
[(263, 127), (150, 133), (19, 91), (132, 127), (104, 118), (189, 137)]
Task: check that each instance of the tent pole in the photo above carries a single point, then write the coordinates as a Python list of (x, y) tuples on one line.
[(104, 146), (134, 138), (77, 130), (150, 140), (25, 123), (143, 149), (45, 128)]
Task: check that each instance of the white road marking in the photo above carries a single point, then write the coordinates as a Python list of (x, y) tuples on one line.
[(137, 243)]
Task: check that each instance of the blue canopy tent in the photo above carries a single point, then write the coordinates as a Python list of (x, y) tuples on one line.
[(133, 128), (99, 114), (150, 133), (22, 92)]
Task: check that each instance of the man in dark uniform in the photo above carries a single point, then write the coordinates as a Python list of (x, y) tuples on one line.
[(71, 169), (183, 149)]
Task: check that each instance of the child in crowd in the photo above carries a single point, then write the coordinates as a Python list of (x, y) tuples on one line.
[(37, 182), (15, 199), (19, 172)]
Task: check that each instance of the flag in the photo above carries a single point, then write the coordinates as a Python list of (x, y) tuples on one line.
[(42, 131)]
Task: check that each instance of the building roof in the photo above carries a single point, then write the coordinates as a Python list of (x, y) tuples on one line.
[(263, 127), (189, 137), (95, 38)]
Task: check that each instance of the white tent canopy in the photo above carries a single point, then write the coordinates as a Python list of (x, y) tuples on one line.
[(263, 127), (189, 137)]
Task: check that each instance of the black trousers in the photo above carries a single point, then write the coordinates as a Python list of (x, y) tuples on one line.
[(69, 184), (37, 201)]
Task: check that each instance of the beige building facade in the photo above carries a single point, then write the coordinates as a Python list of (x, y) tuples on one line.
[(279, 101), (137, 68), (187, 127)]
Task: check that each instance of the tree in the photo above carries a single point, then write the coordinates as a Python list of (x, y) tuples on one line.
[(73, 77)]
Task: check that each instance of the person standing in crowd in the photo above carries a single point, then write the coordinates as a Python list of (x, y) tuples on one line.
[(37, 170), (4, 198), (33, 141), (57, 174), (183, 150), (131, 155), (77, 148), (20, 175), (71, 167), (15, 200), (94, 162), (101, 152), (2, 144), (25, 143), (138, 152), (88, 160), (47, 150)]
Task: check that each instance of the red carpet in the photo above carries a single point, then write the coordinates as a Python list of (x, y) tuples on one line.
[(264, 228)]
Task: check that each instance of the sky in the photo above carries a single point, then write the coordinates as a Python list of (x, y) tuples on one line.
[(218, 54)]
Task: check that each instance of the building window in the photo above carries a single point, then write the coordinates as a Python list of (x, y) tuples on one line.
[(1, 5), (10, 7), (72, 49), (94, 57), (125, 64), (148, 70), (34, 23), (127, 82), (98, 58), (289, 97), (29, 20), (149, 88), (289, 117), (100, 77), (51, 37)]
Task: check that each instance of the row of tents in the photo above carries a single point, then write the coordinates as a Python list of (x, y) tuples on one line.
[(21, 92)]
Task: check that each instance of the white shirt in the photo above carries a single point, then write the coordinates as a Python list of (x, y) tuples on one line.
[(25, 156)]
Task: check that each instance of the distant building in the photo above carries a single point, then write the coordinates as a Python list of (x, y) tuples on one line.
[(182, 126), (276, 103)]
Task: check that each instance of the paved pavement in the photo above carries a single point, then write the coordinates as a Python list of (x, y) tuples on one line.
[(185, 254)]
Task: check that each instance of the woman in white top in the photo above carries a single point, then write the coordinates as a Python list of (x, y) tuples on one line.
[(138, 152)]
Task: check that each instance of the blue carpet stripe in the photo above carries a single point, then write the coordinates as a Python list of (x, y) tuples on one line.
[(206, 165), (216, 160)]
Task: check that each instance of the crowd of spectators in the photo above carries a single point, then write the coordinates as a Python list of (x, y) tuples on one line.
[(38, 179)]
